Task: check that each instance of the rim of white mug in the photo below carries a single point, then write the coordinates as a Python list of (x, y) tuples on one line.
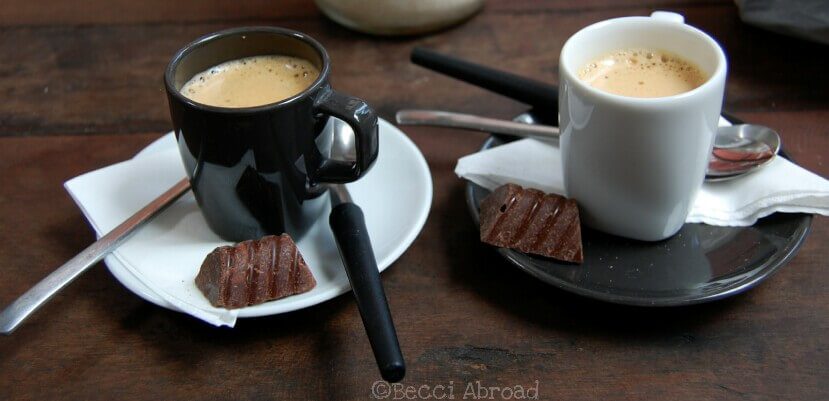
[(660, 18)]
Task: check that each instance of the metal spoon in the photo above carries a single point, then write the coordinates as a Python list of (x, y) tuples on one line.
[(738, 149), (37, 296)]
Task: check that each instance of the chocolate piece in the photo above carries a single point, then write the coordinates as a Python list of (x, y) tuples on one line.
[(531, 221), (252, 272)]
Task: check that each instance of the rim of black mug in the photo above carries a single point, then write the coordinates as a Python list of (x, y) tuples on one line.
[(205, 40)]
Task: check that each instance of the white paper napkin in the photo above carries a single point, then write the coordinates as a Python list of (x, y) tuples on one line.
[(106, 202), (782, 186)]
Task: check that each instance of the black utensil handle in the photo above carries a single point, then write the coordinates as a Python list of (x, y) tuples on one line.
[(541, 95), (349, 227)]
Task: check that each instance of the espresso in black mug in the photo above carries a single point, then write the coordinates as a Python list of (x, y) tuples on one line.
[(255, 165)]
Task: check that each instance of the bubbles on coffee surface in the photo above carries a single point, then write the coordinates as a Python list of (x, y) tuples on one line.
[(251, 81), (639, 72)]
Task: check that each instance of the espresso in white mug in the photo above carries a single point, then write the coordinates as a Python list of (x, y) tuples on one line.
[(641, 72), (634, 164)]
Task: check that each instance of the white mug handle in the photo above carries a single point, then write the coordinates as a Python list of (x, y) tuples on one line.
[(668, 16)]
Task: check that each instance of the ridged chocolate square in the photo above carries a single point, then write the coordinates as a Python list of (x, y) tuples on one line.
[(533, 222), (252, 272)]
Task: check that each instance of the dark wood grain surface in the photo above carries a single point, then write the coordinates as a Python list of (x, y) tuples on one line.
[(81, 88)]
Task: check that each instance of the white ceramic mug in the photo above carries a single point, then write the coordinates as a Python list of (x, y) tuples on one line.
[(634, 165)]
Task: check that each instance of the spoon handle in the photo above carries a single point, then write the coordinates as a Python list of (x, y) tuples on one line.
[(541, 95), (348, 225), (471, 122), (37, 296)]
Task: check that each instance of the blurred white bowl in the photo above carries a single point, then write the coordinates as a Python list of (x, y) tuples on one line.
[(398, 17)]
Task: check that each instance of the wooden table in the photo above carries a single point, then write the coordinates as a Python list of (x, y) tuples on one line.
[(81, 85)]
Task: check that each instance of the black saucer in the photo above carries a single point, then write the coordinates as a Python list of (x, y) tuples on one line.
[(699, 264)]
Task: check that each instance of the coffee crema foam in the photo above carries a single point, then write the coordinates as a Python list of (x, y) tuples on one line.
[(641, 72), (251, 81)]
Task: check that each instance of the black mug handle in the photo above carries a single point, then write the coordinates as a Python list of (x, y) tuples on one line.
[(362, 119)]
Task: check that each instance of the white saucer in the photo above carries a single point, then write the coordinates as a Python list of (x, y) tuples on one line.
[(395, 196)]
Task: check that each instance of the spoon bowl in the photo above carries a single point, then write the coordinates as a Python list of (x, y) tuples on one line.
[(740, 149)]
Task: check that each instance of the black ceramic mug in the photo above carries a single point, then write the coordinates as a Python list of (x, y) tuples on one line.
[(259, 170)]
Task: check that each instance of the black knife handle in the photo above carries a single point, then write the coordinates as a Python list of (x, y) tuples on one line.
[(349, 227), (541, 95)]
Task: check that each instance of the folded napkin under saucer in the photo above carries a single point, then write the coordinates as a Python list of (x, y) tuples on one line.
[(782, 186), (106, 201)]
